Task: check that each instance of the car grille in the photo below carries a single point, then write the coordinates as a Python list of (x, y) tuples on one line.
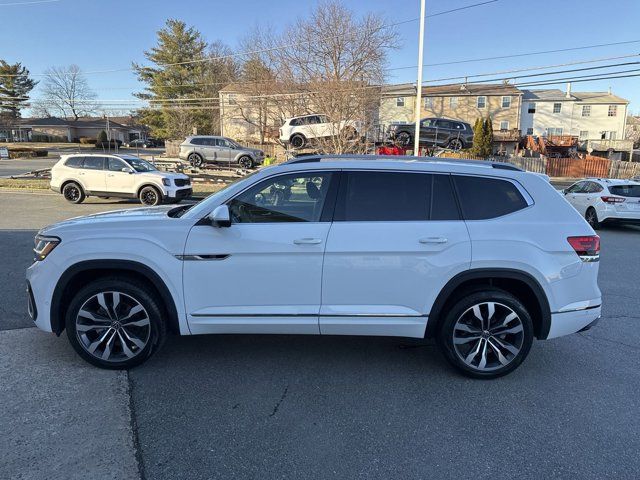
[(181, 182)]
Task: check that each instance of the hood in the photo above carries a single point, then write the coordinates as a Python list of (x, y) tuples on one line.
[(160, 174), (255, 151), (130, 215)]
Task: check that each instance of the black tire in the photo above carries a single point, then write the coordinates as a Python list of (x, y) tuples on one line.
[(456, 342), (298, 141), (195, 159), (73, 193), (591, 216), (455, 144), (404, 138), (246, 162), (131, 288), (150, 196)]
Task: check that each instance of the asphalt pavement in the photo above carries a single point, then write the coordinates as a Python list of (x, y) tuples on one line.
[(233, 406)]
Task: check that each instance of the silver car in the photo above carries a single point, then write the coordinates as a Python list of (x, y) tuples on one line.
[(202, 149)]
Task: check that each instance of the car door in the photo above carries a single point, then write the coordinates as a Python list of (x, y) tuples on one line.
[(427, 132), (576, 194), (225, 151), (444, 131), (263, 273), (93, 175), (396, 238), (120, 176)]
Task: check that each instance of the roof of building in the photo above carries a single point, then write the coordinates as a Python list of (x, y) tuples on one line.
[(453, 90), (87, 122), (557, 95)]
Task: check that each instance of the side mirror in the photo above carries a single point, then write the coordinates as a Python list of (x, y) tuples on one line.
[(220, 217), (127, 170)]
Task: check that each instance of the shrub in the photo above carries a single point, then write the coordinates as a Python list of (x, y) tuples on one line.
[(102, 137), (88, 140)]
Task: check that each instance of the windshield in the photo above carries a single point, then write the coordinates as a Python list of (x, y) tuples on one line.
[(140, 165)]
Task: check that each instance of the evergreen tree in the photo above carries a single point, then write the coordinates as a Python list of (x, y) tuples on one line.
[(102, 138), (178, 72), (487, 140), (478, 138), (15, 86)]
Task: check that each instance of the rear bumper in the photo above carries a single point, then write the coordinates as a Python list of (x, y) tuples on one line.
[(565, 323)]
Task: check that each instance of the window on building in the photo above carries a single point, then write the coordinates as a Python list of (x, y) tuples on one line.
[(428, 102), (532, 108), (399, 101), (554, 131), (482, 198), (586, 110), (481, 102), (584, 134), (610, 135), (557, 107), (613, 110), (530, 131), (504, 125), (231, 98), (453, 102), (506, 102)]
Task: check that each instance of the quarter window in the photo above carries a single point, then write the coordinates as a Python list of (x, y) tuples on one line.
[(482, 198), (285, 198), (481, 102), (74, 162), (395, 197)]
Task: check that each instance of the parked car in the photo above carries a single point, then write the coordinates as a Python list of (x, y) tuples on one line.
[(201, 150), (113, 143), (140, 143), (79, 176), (300, 131), (606, 201), (481, 256), (441, 132)]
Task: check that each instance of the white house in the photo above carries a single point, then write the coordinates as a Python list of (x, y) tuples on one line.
[(586, 115)]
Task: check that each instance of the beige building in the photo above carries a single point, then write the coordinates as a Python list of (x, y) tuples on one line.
[(469, 102)]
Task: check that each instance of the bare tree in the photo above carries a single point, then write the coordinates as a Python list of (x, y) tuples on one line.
[(220, 70), (66, 93)]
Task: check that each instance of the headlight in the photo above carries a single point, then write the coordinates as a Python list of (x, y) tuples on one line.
[(44, 246), (166, 182)]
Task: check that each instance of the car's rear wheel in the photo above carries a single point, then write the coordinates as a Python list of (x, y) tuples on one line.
[(195, 160), (73, 193), (150, 196), (403, 138), (298, 141), (455, 144), (486, 334), (246, 162), (591, 216), (115, 323)]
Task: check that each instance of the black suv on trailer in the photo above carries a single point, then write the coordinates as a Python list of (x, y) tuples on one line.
[(442, 132)]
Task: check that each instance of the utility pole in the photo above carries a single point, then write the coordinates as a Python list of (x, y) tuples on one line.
[(416, 140)]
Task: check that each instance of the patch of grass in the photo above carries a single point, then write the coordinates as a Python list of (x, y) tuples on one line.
[(28, 184)]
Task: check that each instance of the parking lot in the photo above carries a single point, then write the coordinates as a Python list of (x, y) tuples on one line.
[(236, 406)]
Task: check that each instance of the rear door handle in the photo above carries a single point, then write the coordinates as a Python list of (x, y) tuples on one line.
[(307, 241), (433, 240)]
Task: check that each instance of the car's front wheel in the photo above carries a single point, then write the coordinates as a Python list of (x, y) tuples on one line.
[(486, 333), (73, 193), (150, 196), (246, 162), (115, 323)]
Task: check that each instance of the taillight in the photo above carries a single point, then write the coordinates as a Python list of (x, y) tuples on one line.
[(613, 200), (587, 248)]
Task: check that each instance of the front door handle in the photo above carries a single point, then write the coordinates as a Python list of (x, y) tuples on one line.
[(433, 240), (307, 241)]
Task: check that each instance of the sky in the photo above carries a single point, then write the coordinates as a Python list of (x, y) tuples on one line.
[(110, 34)]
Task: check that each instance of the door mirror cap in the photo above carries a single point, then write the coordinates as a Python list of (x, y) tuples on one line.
[(220, 217), (127, 170)]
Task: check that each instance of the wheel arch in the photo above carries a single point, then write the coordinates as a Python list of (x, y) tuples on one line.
[(149, 184), (521, 284), (80, 273), (72, 180)]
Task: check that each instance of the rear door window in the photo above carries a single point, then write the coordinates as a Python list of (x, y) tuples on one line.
[(94, 163), (482, 198), (395, 197), (625, 190)]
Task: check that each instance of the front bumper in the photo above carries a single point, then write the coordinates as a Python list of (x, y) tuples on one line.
[(179, 192)]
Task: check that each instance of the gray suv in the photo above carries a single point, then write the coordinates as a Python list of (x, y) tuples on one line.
[(442, 132), (202, 149)]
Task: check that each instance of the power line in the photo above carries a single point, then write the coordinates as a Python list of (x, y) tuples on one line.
[(34, 2)]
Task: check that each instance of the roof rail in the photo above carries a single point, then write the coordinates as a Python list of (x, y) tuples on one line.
[(318, 158)]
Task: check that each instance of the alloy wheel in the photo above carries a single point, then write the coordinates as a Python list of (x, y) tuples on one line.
[(72, 193), (113, 326), (149, 197), (455, 144), (488, 336)]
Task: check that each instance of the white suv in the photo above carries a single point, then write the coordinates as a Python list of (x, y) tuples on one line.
[(299, 131), (127, 176), (481, 256), (606, 201)]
